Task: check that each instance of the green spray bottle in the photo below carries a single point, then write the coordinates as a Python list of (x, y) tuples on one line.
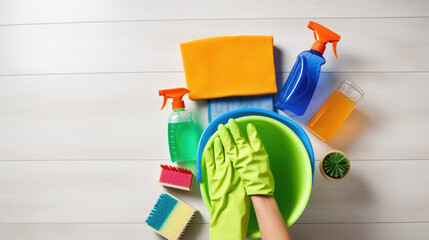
[(183, 130)]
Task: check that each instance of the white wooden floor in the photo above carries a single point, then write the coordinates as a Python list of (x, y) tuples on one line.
[(82, 135)]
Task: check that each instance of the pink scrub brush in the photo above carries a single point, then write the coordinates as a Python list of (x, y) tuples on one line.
[(176, 177)]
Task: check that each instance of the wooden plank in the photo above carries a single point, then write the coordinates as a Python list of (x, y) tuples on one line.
[(125, 192), (88, 116), (45, 11), (85, 191), (367, 45), (117, 116), (367, 231), (92, 231), (374, 191)]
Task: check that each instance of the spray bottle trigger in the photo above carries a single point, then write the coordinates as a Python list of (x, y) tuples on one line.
[(165, 102), (176, 94), (315, 35), (334, 47), (323, 36)]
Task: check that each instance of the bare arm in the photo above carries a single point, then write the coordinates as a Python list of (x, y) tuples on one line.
[(270, 221)]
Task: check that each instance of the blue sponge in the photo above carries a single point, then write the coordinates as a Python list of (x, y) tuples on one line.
[(161, 211)]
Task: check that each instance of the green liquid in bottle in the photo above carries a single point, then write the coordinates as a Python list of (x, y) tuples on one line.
[(183, 137)]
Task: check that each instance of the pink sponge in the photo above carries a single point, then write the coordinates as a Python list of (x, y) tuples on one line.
[(176, 177)]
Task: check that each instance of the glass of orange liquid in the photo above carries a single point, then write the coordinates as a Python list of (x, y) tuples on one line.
[(335, 110)]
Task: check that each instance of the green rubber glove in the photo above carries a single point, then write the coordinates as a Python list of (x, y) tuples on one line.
[(229, 216), (250, 159)]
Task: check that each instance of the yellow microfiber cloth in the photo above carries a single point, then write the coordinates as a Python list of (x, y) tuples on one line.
[(229, 66)]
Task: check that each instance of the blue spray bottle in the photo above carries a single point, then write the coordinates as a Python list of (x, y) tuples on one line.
[(302, 80)]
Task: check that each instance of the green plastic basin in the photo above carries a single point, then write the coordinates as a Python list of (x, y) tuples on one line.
[(289, 164)]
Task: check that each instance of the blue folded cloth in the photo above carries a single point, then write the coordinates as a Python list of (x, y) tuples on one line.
[(219, 106)]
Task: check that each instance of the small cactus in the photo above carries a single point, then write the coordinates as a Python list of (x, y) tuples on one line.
[(336, 165)]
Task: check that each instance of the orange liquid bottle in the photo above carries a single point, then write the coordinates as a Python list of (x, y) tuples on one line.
[(335, 110)]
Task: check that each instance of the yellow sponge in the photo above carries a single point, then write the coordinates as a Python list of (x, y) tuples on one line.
[(170, 217), (178, 220), (229, 66)]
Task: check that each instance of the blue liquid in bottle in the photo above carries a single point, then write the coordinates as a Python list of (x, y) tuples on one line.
[(301, 83)]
